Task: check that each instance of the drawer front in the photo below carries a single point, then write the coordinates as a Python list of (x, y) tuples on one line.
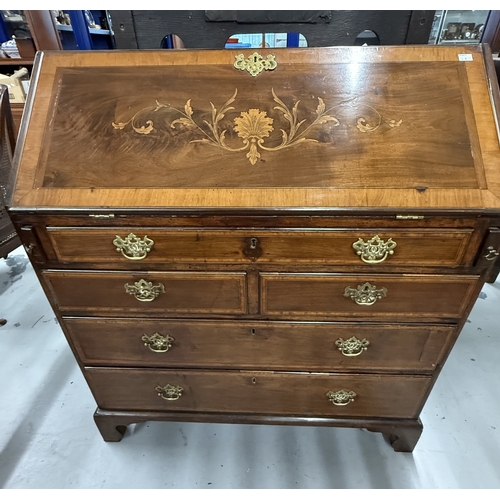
[(127, 246), (282, 346), (146, 293), (258, 392), (389, 297)]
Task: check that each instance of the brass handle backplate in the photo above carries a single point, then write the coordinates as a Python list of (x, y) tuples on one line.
[(157, 342), (169, 392), (341, 398), (492, 254), (132, 247), (144, 290), (352, 346), (375, 250), (365, 295)]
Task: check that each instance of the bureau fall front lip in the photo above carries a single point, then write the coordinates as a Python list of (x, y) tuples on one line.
[(374, 129)]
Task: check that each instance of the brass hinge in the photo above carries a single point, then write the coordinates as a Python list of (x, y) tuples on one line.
[(102, 216), (409, 217)]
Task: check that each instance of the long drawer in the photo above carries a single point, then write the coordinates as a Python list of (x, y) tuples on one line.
[(374, 296), (420, 247), (263, 393), (282, 345), (146, 293)]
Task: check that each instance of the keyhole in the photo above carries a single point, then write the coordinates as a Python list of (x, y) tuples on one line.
[(253, 243), (254, 380), (252, 331)]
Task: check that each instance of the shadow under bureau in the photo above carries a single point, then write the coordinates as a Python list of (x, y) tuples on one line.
[(288, 236)]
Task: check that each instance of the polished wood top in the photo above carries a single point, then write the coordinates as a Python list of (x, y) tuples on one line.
[(409, 127)]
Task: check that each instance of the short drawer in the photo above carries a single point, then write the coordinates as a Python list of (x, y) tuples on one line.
[(425, 247), (244, 345), (147, 293), (376, 296), (264, 393)]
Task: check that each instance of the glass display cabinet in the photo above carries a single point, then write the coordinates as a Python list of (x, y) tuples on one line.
[(458, 26)]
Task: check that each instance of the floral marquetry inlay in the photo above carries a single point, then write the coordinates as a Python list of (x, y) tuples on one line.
[(254, 126)]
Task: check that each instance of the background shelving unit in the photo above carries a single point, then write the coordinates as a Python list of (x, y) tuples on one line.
[(34, 25), (41, 28), (458, 27)]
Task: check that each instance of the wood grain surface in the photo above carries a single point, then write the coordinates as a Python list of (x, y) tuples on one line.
[(424, 247), (337, 127), (259, 345), (258, 392)]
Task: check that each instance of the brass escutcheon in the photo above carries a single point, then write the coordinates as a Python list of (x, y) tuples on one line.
[(365, 295), (352, 346), (132, 247), (375, 250), (144, 290), (255, 63), (169, 392), (492, 254), (157, 342), (341, 398)]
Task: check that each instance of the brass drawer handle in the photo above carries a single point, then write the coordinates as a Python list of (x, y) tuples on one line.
[(169, 392), (144, 290), (29, 248), (375, 250), (132, 247), (341, 398), (492, 254), (352, 346), (365, 295), (157, 342)]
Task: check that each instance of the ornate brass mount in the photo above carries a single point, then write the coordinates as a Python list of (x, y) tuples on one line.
[(255, 64), (169, 392), (492, 254), (375, 250), (341, 398), (157, 342), (132, 247), (365, 295), (352, 346), (144, 290)]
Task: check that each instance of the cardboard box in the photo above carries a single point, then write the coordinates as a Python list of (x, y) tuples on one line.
[(16, 90)]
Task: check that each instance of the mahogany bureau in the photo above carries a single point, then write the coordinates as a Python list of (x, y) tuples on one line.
[(287, 236)]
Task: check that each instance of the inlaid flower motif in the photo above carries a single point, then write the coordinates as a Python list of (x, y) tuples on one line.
[(252, 126)]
